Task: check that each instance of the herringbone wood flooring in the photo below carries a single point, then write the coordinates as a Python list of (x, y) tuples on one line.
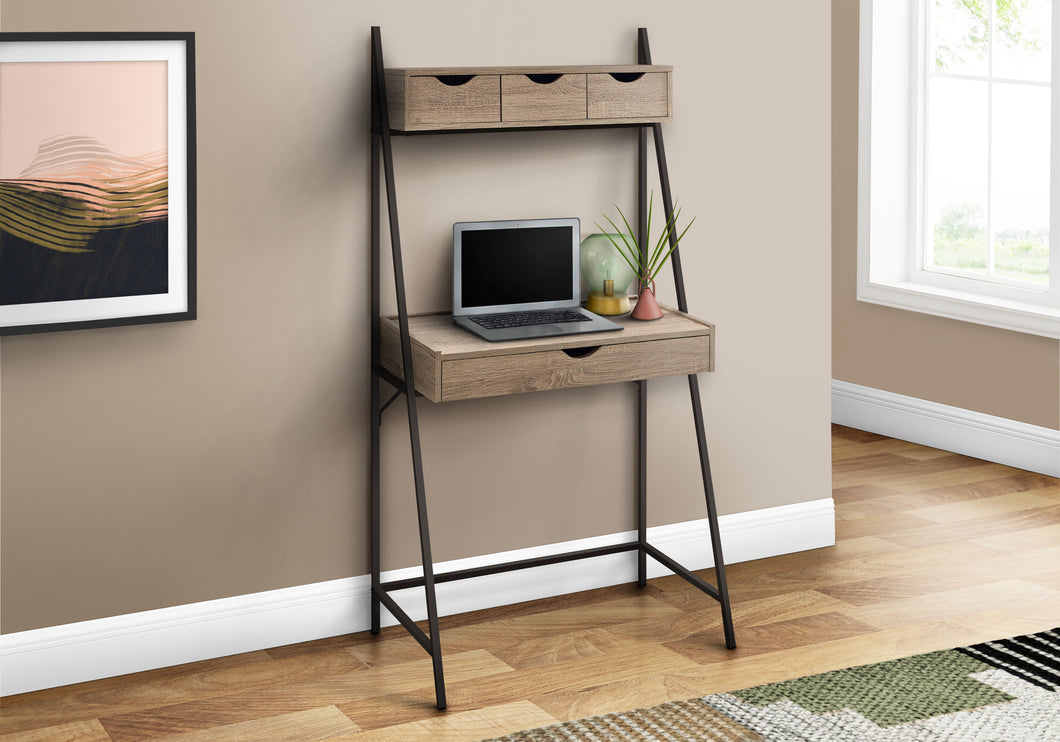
[(933, 550)]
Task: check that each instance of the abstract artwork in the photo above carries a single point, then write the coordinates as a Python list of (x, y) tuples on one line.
[(97, 180)]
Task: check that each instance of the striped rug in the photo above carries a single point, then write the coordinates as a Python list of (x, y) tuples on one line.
[(999, 691)]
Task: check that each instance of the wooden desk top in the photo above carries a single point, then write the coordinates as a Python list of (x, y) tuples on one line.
[(452, 363)]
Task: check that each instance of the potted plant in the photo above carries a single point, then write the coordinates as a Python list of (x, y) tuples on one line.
[(644, 262)]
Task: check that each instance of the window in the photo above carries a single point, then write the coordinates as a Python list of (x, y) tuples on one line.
[(957, 155)]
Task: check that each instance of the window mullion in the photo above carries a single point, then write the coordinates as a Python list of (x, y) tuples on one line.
[(920, 250), (1054, 158), (991, 268)]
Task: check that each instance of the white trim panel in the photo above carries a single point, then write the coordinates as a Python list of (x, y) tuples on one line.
[(1034, 319), (976, 434), (89, 650)]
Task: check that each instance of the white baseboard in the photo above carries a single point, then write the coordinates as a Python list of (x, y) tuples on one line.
[(975, 434), (106, 647)]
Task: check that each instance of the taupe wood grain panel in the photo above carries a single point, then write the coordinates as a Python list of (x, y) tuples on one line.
[(426, 362), (541, 69), (554, 369), (432, 101), (437, 332), (451, 363), (982, 566), (419, 98), (523, 99), (611, 98)]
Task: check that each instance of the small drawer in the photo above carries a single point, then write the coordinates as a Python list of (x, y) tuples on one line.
[(628, 95), (543, 97), (516, 373), (453, 99)]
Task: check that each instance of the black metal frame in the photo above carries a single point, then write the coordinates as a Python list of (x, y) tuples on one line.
[(131, 315), (382, 151)]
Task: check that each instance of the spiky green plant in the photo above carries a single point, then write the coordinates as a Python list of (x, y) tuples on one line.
[(646, 263)]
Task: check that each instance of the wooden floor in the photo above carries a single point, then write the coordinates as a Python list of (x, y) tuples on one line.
[(933, 550)]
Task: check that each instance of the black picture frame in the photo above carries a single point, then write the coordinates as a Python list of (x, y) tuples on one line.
[(93, 231)]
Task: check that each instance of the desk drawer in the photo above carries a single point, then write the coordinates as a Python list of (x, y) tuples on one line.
[(491, 376), (453, 99), (557, 98), (628, 95)]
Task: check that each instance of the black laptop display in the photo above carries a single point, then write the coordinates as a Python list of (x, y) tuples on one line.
[(520, 279)]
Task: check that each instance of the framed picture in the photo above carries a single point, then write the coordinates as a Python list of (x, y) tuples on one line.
[(97, 180)]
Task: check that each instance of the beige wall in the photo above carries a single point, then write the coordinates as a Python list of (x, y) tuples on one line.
[(151, 466), (1008, 374)]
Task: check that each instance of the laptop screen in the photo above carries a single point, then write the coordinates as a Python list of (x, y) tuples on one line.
[(515, 265)]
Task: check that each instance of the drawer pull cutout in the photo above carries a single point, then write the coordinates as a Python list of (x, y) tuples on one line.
[(454, 81), (543, 79), (627, 76), (581, 352)]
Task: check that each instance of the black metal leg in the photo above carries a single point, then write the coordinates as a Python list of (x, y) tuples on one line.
[(642, 482), (642, 385), (375, 514), (414, 437), (381, 116), (425, 551), (376, 411), (712, 513), (644, 57)]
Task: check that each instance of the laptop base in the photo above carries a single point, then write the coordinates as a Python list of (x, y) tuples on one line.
[(594, 323)]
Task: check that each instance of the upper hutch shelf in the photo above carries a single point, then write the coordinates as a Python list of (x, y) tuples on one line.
[(440, 98)]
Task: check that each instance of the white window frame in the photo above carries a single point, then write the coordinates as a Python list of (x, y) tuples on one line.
[(890, 138)]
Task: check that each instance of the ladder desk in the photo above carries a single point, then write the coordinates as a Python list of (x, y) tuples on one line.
[(449, 363)]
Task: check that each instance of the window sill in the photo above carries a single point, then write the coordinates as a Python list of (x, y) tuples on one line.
[(1017, 316)]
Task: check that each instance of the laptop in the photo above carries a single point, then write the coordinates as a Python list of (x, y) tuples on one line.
[(520, 279)]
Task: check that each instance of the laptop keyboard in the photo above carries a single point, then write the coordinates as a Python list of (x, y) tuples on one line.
[(522, 319)]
